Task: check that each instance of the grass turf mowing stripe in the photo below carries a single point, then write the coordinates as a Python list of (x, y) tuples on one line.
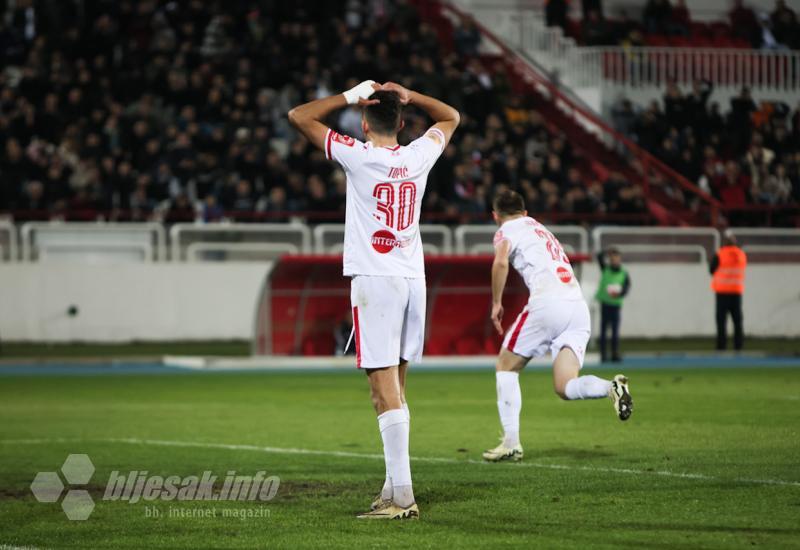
[(440, 460)]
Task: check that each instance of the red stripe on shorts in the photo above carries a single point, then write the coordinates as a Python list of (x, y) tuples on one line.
[(358, 337), (514, 335)]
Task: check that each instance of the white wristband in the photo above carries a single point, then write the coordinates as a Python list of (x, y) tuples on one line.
[(361, 91)]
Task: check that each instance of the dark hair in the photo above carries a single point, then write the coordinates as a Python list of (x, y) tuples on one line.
[(384, 117), (508, 203)]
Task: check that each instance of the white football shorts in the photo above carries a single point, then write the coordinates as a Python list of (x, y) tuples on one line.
[(388, 320), (550, 325)]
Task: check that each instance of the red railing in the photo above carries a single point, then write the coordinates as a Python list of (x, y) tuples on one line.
[(583, 119)]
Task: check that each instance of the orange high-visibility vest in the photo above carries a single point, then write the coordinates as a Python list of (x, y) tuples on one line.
[(729, 276)]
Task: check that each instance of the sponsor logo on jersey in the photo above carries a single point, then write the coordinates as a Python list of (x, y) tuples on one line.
[(564, 274), (344, 140), (384, 241), (498, 237)]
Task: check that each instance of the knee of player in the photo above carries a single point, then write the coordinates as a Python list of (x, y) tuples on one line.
[(507, 362), (561, 392)]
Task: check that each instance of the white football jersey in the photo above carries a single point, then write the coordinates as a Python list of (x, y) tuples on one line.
[(385, 186), (539, 258)]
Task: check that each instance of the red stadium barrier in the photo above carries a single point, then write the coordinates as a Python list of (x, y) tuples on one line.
[(308, 298), (582, 120)]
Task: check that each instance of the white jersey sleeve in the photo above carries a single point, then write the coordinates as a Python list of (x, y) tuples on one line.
[(540, 260), (427, 149), (343, 149)]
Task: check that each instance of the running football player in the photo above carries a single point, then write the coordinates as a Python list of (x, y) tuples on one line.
[(383, 253), (556, 318)]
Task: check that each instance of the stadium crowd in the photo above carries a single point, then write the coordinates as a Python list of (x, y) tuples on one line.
[(176, 109), (664, 22), (747, 155)]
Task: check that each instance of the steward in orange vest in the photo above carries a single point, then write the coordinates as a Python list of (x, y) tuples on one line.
[(727, 270)]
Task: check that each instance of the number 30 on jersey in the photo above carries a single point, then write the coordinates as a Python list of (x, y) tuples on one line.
[(406, 196)]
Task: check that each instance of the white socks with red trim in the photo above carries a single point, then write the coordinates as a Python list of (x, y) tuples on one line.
[(386, 492), (509, 405), (587, 387), (394, 426)]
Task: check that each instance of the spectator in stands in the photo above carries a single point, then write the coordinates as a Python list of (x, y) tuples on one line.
[(467, 38), (623, 117), (785, 27), (657, 15), (773, 188), (758, 161), (33, 197), (578, 200), (556, 13), (675, 106), (211, 211), (318, 198), (588, 6), (779, 141), (732, 187), (696, 103), (629, 201), (740, 119), (627, 32), (189, 108), (768, 41), (595, 30), (180, 209), (650, 127), (745, 24), (680, 20)]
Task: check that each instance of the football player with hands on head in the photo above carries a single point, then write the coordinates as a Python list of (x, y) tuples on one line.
[(383, 253)]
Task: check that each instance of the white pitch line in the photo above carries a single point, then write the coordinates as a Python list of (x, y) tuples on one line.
[(371, 456)]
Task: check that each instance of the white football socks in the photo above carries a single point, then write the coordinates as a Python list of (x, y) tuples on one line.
[(386, 492), (587, 387), (509, 405), (394, 428)]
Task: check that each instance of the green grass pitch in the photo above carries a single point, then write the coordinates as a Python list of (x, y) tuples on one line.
[(710, 459)]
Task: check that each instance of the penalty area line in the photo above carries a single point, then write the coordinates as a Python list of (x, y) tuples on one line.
[(375, 456)]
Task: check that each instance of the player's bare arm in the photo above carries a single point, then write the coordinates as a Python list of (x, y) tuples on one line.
[(308, 118), (499, 278), (446, 118)]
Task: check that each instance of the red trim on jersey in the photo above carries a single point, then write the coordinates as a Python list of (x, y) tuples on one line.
[(513, 341), (328, 144), (395, 148), (358, 337)]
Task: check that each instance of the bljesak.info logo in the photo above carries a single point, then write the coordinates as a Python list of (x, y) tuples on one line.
[(138, 486)]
